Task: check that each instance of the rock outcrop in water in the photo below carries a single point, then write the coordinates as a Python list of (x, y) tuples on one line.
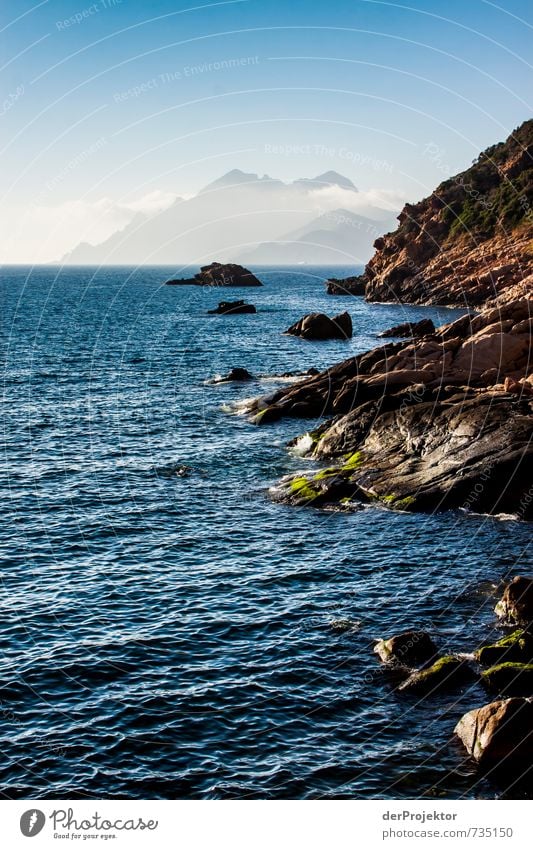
[(219, 274), (237, 374), (500, 734), (516, 603), (346, 286), (317, 325), (444, 674), (437, 423), (408, 649), (233, 308), (469, 242)]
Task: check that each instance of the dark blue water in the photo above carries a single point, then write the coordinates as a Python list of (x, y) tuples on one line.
[(176, 637)]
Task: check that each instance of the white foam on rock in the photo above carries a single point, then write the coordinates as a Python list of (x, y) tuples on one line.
[(303, 445)]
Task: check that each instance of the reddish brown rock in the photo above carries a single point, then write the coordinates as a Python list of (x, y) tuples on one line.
[(469, 243), (430, 419), (516, 603), (500, 734)]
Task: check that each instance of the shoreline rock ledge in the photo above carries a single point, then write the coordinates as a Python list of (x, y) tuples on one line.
[(218, 274), (438, 423)]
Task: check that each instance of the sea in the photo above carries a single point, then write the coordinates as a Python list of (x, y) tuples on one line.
[(167, 631)]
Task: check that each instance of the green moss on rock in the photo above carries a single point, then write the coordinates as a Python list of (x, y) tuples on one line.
[(517, 646), (325, 474), (510, 677), (352, 461), (302, 488), (447, 671)]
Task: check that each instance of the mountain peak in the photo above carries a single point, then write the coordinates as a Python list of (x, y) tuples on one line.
[(236, 177), (328, 178)]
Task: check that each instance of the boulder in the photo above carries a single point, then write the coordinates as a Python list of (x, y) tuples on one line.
[(509, 678), (232, 308), (235, 374), (516, 603), (218, 274), (412, 648), (317, 325), (445, 673), (499, 735), (414, 329), (346, 286), (515, 647)]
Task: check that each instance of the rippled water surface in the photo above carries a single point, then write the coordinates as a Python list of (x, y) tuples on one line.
[(179, 637)]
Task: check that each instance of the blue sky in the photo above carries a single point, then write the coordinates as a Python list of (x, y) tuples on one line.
[(109, 107)]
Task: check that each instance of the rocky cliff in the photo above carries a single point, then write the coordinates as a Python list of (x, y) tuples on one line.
[(471, 241)]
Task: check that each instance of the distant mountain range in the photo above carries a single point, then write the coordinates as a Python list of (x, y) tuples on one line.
[(243, 217)]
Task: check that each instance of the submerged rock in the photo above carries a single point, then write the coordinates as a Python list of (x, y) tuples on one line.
[(346, 286), (500, 734), (173, 470), (232, 308), (219, 274), (516, 603), (446, 672), (510, 678), (345, 625), (317, 325), (412, 648), (413, 329)]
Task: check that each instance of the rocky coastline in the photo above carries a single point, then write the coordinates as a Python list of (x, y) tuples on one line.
[(442, 420)]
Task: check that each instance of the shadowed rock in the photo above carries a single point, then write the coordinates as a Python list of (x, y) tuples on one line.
[(447, 672), (317, 325), (510, 678), (412, 648), (219, 274), (233, 308), (414, 329), (346, 286), (515, 647), (235, 374)]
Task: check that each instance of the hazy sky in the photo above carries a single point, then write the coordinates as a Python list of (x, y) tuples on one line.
[(112, 107)]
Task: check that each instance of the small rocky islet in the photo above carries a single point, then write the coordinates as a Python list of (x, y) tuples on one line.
[(219, 274), (442, 420)]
